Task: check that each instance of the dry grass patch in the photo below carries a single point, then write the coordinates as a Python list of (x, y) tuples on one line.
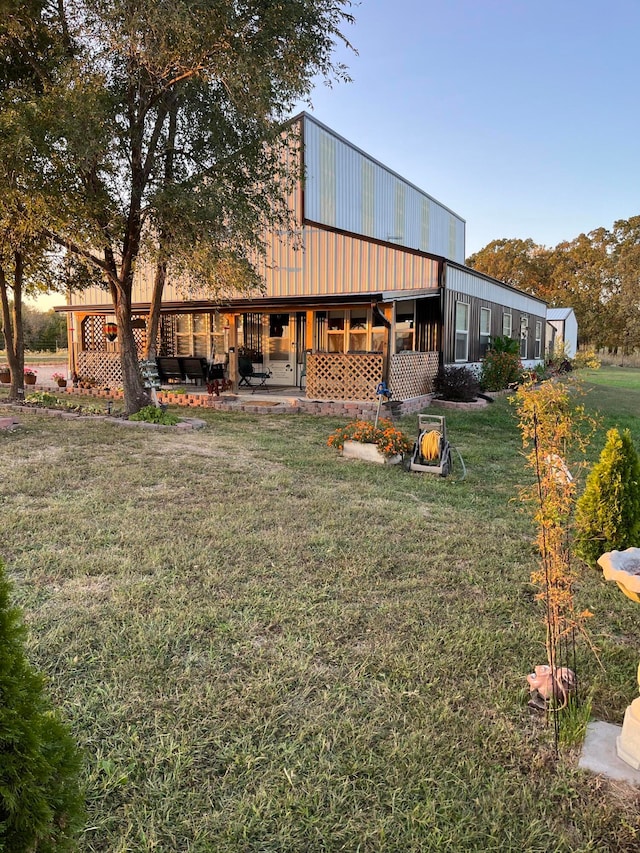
[(264, 648)]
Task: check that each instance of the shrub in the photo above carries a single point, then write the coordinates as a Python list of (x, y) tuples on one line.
[(608, 512), (388, 439), (154, 415), (586, 358), (456, 383), (500, 369), (40, 799)]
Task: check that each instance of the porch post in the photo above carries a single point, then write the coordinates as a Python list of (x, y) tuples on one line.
[(233, 351)]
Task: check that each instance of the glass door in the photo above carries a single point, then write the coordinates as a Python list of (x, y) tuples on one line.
[(280, 357)]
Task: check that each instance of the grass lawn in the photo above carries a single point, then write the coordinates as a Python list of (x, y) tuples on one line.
[(263, 647)]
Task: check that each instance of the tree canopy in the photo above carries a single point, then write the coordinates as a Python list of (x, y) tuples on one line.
[(163, 137), (597, 274)]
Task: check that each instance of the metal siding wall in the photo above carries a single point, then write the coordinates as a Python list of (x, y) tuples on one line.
[(466, 281), (475, 304), (368, 198), (360, 188)]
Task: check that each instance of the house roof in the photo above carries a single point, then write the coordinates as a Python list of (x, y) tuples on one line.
[(558, 313)]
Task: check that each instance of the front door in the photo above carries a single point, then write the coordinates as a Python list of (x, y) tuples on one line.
[(280, 357)]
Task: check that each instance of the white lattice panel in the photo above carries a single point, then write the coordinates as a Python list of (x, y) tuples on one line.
[(412, 374)]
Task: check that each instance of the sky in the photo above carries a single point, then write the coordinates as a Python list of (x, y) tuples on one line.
[(521, 116)]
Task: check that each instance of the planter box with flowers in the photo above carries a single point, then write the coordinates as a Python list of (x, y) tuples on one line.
[(60, 379), (5, 374), (29, 376), (383, 443)]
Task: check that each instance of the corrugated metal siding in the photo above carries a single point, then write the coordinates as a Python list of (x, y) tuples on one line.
[(497, 309), (402, 213), (469, 282)]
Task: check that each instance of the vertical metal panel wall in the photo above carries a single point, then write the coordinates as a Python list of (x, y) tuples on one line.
[(347, 189)]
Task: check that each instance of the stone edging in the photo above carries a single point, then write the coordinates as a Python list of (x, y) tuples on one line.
[(11, 423)]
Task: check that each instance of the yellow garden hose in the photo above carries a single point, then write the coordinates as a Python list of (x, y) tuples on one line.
[(430, 446)]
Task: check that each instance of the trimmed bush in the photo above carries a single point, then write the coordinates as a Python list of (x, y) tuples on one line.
[(608, 512), (456, 383), (40, 800)]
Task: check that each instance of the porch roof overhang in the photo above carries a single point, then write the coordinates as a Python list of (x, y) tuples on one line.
[(266, 303)]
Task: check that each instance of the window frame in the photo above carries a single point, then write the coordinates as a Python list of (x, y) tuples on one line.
[(484, 337), (524, 335), (506, 334), (537, 348), (461, 331)]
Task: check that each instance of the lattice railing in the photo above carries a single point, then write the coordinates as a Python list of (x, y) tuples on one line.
[(412, 374), (103, 367), (338, 376)]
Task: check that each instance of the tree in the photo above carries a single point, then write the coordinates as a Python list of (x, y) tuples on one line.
[(581, 278), (520, 263), (608, 511), (625, 258), (168, 138), (30, 51), (40, 799)]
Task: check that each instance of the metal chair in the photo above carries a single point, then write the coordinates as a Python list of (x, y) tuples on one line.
[(247, 374)]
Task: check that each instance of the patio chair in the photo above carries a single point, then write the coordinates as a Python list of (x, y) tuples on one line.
[(194, 370), (169, 368), (247, 374)]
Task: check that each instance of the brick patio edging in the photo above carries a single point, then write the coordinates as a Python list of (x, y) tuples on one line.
[(365, 410)]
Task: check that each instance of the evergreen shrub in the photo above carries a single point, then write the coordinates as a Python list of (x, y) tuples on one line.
[(608, 512), (40, 800)]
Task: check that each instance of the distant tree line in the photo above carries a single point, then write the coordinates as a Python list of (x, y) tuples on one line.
[(597, 274), (44, 331)]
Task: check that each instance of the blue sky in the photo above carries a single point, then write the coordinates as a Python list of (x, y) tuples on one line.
[(522, 116)]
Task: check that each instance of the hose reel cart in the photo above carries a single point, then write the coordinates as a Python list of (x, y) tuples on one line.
[(432, 451)]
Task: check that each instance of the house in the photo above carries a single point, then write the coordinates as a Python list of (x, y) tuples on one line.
[(563, 331), (372, 287)]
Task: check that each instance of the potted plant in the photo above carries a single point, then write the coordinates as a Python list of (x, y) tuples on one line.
[(5, 374), (382, 443), (60, 379), (29, 376)]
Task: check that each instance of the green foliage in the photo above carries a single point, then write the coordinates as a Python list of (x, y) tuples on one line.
[(456, 383), (48, 400), (40, 799), (503, 343), (154, 415), (501, 366), (608, 512)]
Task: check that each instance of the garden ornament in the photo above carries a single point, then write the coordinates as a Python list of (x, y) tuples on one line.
[(546, 683), (623, 567)]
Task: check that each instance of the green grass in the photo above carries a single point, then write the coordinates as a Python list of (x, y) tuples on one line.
[(264, 647)]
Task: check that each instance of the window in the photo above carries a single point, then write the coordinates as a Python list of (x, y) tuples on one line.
[(524, 335), (538, 340), (462, 332), (335, 332), (378, 334), (506, 325), (404, 330), (194, 335), (485, 329), (358, 332)]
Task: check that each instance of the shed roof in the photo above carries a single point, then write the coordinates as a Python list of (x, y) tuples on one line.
[(558, 313)]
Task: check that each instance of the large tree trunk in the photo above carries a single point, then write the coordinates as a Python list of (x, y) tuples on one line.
[(135, 394), (153, 322), (12, 327)]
